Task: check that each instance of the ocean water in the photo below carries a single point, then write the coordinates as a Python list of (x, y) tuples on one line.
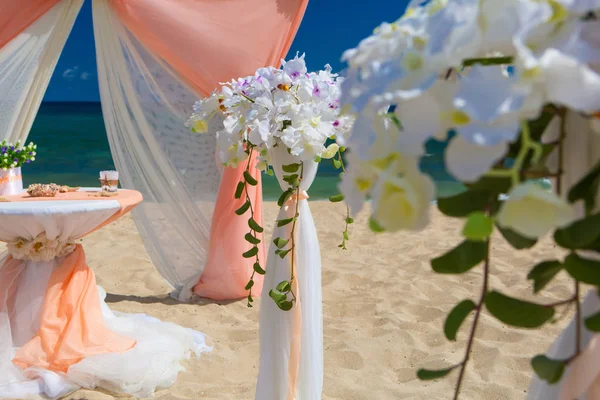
[(73, 148)]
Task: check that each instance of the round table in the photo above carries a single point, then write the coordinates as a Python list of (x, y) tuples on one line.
[(56, 332)]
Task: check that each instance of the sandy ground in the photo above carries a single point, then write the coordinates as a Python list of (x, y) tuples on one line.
[(383, 314)]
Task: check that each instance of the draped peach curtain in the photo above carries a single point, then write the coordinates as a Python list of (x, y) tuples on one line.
[(173, 49), (16, 15)]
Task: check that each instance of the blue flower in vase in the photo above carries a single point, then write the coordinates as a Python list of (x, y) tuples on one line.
[(28, 161)]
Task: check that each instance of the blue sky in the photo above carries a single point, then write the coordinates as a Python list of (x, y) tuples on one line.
[(329, 27)]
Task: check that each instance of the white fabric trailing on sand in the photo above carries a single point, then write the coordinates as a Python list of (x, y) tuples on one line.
[(145, 107)]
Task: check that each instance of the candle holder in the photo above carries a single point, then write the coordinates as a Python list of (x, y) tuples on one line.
[(109, 181)]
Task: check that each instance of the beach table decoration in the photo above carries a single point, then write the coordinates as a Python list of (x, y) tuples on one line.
[(283, 122), (509, 86), (57, 333), (12, 157)]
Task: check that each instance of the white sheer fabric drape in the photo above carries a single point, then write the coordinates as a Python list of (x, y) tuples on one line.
[(581, 152), (26, 66), (276, 326), (145, 106)]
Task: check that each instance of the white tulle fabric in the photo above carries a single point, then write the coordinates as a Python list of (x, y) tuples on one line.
[(581, 153), (276, 326), (145, 106), (152, 364), (26, 66)]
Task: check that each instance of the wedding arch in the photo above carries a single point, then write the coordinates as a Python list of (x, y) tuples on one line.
[(155, 59)]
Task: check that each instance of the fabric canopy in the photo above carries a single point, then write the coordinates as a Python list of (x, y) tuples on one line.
[(155, 59)]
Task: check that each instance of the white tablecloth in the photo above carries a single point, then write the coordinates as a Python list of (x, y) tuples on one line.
[(154, 362)]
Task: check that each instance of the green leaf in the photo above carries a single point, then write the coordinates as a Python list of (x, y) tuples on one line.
[(349, 220), (336, 198), (429, 374), (283, 253), (586, 189), (515, 312), (593, 323), (345, 234), (290, 168), (278, 297), (284, 196), (284, 287), (374, 226), (285, 305), (463, 203), (460, 259), (543, 273), (239, 190), (243, 208), (279, 242), (318, 159), (285, 221), (492, 184), (251, 239), (456, 317), (291, 179), (515, 240), (250, 253), (580, 234), (250, 179), (269, 172), (478, 227), (258, 269), (255, 226), (337, 164), (582, 269), (547, 369), (249, 284)]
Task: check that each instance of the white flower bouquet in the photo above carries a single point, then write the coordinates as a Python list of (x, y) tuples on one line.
[(513, 86), (288, 119)]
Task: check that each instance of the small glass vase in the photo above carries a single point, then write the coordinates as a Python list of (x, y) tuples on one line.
[(11, 182)]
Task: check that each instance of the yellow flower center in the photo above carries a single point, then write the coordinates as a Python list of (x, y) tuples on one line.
[(419, 42), (38, 246), (413, 61), (315, 121), (363, 184), (283, 87)]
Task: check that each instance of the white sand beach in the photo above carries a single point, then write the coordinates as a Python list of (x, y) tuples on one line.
[(383, 314)]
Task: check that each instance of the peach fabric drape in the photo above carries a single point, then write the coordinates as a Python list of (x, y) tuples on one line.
[(206, 42), (17, 15), (209, 41), (226, 272), (72, 326)]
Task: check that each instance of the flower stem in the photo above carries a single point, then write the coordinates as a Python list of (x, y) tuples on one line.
[(478, 308), (488, 61), (293, 235), (252, 231)]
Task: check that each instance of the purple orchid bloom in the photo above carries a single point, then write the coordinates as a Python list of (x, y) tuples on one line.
[(336, 123)]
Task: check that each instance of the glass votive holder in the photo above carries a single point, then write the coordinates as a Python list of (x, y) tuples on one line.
[(109, 181)]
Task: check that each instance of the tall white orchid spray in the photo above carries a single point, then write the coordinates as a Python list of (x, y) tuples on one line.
[(285, 107), (498, 74)]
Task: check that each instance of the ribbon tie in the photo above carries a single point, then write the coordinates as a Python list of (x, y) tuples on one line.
[(294, 198)]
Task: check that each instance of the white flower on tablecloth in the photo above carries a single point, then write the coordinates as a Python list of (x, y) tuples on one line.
[(40, 248), (19, 249), (532, 211)]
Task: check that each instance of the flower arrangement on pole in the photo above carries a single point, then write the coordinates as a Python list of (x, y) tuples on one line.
[(501, 81), (278, 113)]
